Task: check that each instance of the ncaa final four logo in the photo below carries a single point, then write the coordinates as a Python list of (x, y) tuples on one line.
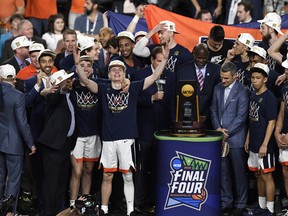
[(188, 181)]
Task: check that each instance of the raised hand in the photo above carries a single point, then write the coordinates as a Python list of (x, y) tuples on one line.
[(140, 11), (76, 55)]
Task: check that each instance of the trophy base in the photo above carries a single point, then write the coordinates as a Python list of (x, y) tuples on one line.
[(195, 129)]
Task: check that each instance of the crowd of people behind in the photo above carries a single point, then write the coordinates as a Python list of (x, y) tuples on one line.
[(84, 95)]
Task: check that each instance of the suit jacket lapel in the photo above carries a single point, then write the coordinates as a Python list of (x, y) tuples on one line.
[(222, 98), (233, 92)]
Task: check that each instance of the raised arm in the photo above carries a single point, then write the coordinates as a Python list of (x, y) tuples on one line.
[(279, 125), (140, 48), (139, 13), (91, 85), (218, 10), (273, 50), (105, 19), (158, 71), (197, 7)]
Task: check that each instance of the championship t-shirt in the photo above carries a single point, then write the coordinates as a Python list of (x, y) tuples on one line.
[(88, 110), (119, 111), (263, 108)]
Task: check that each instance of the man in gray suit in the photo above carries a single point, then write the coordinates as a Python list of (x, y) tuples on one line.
[(229, 114), (13, 129)]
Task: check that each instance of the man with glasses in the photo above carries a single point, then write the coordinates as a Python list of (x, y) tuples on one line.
[(20, 46)]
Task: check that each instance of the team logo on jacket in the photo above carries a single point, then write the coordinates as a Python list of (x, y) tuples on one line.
[(188, 181)]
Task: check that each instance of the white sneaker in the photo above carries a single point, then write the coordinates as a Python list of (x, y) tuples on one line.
[(285, 212)]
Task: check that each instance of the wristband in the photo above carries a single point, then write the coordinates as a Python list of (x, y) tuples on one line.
[(135, 19)]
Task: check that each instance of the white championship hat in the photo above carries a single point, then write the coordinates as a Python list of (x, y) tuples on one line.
[(272, 20), (126, 34), (7, 70), (259, 51), (46, 52), (21, 41), (246, 39), (60, 76), (116, 63), (170, 26), (260, 67)]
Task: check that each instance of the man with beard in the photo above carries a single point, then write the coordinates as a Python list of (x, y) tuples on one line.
[(126, 42), (32, 69), (270, 27), (57, 140), (35, 89), (105, 34), (91, 22), (275, 52), (166, 31)]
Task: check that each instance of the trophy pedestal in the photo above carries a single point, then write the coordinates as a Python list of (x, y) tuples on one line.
[(193, 129)]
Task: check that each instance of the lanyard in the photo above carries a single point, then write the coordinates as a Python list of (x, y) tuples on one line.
[(94, 25)]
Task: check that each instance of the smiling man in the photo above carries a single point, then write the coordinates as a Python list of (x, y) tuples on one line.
[(126, 42), (207, 76), (119, 126), (32, 69), (166, 31)]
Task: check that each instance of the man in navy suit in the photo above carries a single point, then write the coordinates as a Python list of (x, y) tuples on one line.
[(210, 77), (20, 46), (25, 29), (36, 88), (154, 112), (58, 138), (13, 130), (69, 42), (229, 111), (1, 97)]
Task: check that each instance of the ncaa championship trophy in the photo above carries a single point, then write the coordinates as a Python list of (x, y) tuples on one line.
[(188, 122)]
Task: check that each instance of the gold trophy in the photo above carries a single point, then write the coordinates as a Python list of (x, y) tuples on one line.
[(187, 121)]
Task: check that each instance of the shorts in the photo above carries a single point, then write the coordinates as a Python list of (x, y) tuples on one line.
[(114, 152), (283, 157), (267, 163), (87, 149)]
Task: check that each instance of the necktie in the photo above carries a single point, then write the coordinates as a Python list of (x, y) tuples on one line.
[(23, 65), (71, 108), (200, 78), (107, 59), (226, 94)]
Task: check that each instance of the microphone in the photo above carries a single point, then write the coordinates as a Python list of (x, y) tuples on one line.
[(160, 83)]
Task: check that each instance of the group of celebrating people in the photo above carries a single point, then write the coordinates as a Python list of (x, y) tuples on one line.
[(95, 96)]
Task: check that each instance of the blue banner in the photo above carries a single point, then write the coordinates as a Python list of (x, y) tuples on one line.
[(120, 22)]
